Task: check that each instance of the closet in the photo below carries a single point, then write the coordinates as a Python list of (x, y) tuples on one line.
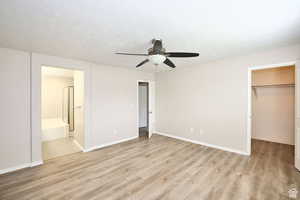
[(273, 104)]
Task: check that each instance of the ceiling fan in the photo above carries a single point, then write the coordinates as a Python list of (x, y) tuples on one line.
[(157, 55)]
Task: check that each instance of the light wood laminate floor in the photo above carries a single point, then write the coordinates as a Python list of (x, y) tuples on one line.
[(159, 168)]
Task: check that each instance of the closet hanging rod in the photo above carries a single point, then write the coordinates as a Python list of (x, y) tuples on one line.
[(275, 85)]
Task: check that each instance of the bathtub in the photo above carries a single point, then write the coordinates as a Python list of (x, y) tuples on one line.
[(54, 128)]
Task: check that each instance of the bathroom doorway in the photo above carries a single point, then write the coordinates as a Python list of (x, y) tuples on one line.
[(62, 111)]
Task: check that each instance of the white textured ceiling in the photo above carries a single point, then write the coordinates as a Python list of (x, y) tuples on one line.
[(93, 30)]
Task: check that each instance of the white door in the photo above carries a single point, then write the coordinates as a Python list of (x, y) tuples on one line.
[(297, 115), (151, 107)]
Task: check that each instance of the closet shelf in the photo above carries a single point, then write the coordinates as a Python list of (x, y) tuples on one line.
[(274, 85)]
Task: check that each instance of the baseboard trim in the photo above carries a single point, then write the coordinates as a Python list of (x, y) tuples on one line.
[(78, 145), (36, 163), (109, 144), (11, 169), (203, 143), (26, 165)]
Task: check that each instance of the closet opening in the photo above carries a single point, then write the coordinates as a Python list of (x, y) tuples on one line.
[(62, 111), (273, 110)]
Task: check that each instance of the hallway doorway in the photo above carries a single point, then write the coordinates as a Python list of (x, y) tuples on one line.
[(143, 99)]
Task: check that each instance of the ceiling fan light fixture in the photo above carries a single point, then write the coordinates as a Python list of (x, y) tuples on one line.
[(157, 59), (158, 55)]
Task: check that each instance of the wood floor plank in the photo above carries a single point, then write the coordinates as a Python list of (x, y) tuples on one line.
[(159, 168)]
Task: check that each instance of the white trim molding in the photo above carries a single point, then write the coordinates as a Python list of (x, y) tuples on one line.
[(37, 61), (11, 169), (273, 65), (23, 166), (109, 144), (203, 143), (249, 106), (36, 163), (151, 107), (78, 145)]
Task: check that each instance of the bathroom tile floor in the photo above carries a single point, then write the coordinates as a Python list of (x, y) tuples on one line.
[(59, 147)]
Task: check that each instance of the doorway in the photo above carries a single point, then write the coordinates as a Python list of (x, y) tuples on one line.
[(272, 108), (62, 111), (143, 102), (273, 104)]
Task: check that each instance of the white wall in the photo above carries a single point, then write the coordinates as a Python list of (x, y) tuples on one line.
[(14, 108), (115, 106), (212, 98), (143, 110), (52, 95), (79, 107), (112, 103)]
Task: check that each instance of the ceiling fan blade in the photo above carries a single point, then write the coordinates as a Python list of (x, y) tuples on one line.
[(145, 61), (169, 63), (132, 54), (181, 54)]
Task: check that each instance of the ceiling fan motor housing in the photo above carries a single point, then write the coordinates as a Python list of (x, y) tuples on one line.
[(152, 52)]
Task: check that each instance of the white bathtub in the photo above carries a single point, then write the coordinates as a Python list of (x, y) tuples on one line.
[(53, 128)]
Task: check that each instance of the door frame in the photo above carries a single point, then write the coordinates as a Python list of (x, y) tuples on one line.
[(151, 108), (249, 107), (37, 61)]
